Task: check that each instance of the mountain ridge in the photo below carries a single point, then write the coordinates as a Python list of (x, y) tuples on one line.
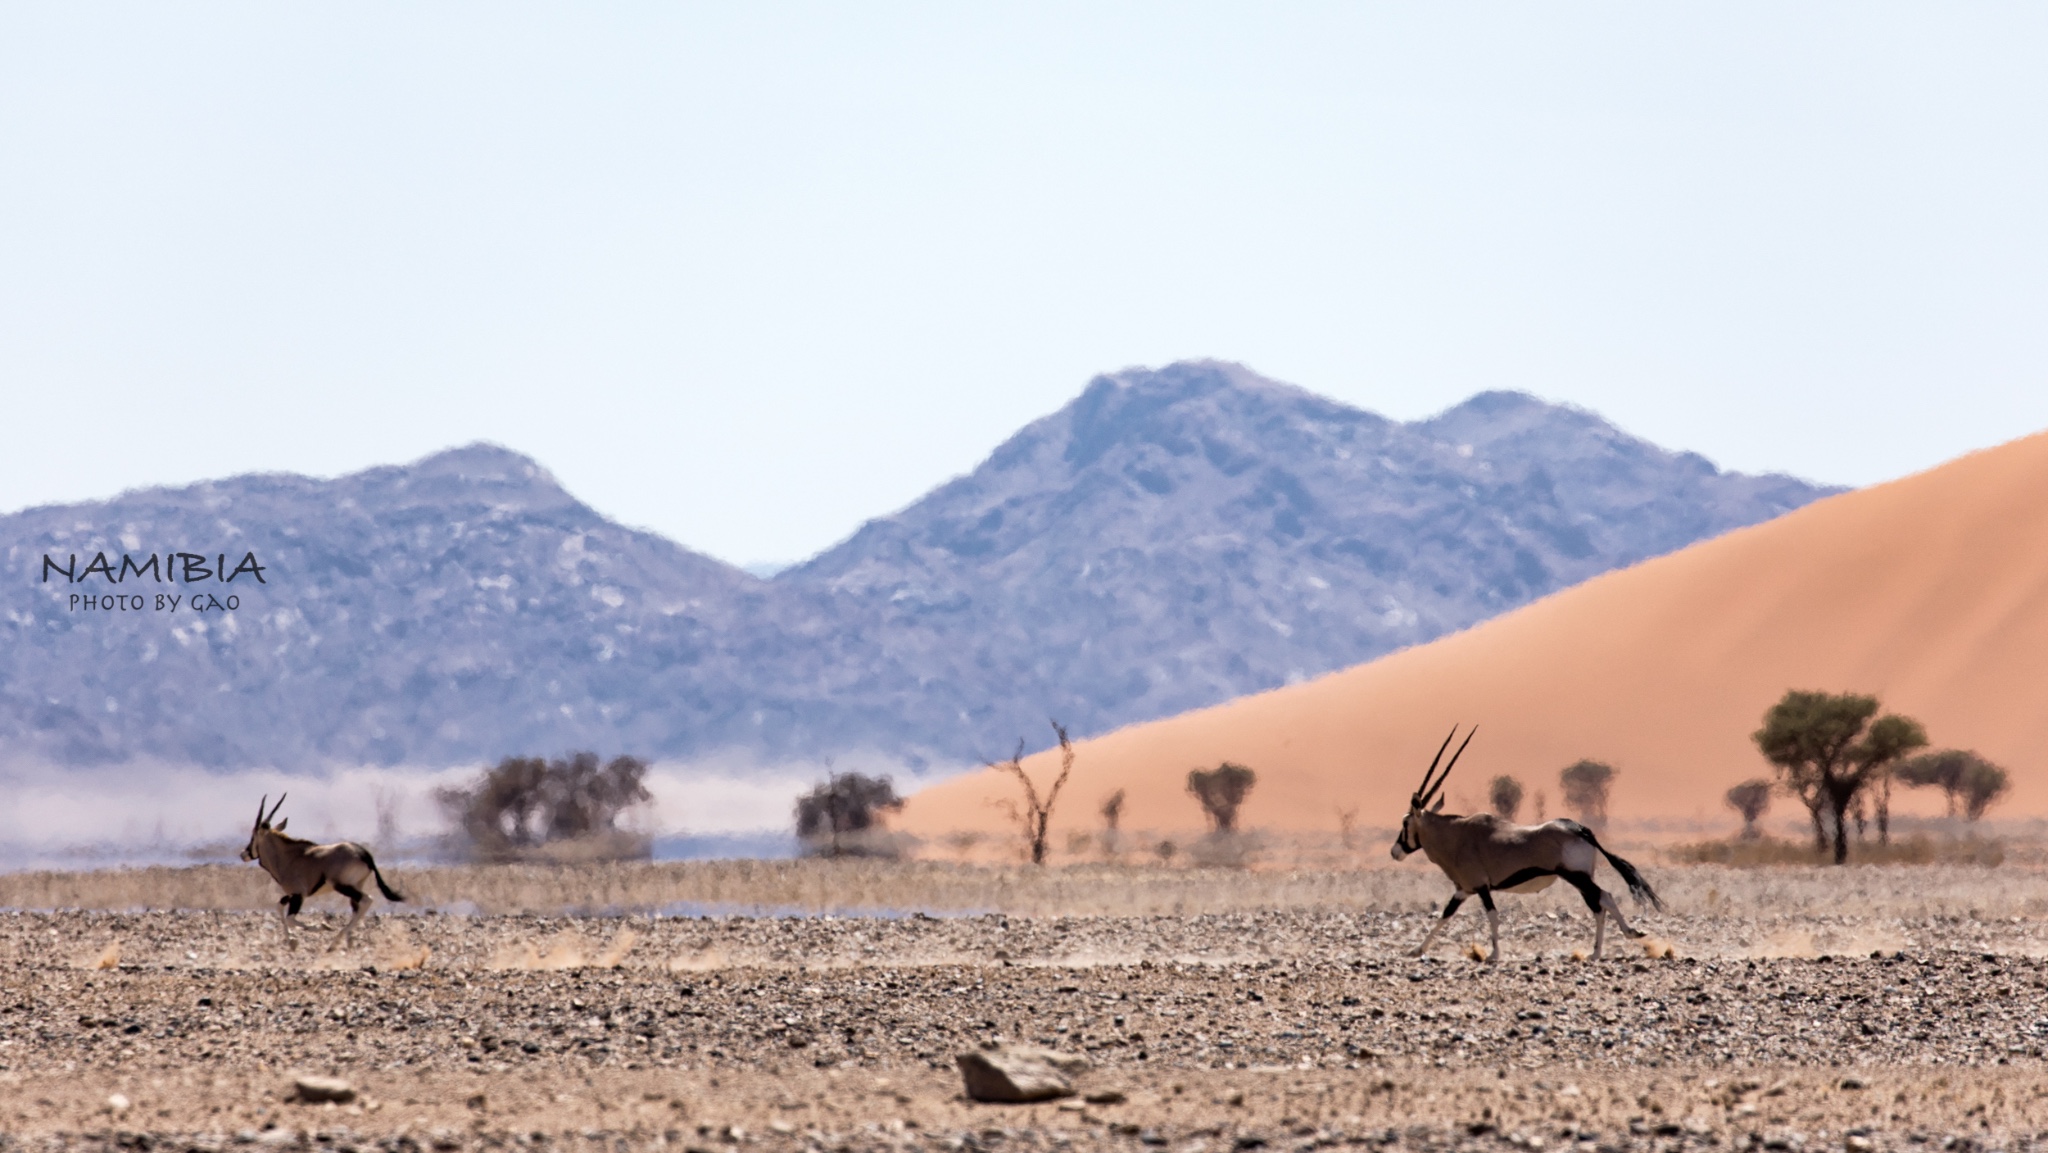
[(1168, 539)]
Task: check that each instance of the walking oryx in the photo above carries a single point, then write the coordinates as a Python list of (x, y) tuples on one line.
[(302, 868), (1484, 855)]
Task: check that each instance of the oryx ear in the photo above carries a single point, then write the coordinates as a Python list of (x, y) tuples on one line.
[(1438, 807), (283, 823)]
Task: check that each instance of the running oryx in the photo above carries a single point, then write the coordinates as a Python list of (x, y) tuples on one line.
[(303, 868), (1484, 854)]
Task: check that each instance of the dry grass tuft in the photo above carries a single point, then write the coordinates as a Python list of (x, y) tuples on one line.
[(1580, 954), (1919, 849), (614, 955), (1475, 951), (1658, 949), (109, 958)]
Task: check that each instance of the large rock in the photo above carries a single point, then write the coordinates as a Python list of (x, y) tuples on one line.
[(1019, 1073), (314, 1090)]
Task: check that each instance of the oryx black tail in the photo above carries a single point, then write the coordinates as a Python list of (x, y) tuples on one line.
[(391, 894), (1637, 887)]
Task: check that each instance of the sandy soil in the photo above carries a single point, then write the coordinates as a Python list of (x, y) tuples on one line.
[(1926, 591), (1208, 1031)]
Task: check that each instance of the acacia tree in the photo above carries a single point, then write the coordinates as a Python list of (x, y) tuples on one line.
[(1890, 738), (1221, 791), (1036, 815), (523, 803), (1585, 786), (1968, 782), (1505, 794), (833, 820), (1827, 749), (1750, 798)]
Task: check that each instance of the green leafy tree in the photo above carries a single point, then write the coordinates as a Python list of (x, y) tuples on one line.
[(1890, 738), (1828, 750), (1222, 791), (1751, 799), (1505, 795)]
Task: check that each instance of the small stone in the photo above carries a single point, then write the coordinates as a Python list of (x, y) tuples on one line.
[(314, 1090), (1106, 1097), (1852, 1083), (1012, 1075), (118, 1103), (1858, 1143)]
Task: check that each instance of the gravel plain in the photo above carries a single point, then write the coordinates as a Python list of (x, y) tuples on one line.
[(1915, 1024)]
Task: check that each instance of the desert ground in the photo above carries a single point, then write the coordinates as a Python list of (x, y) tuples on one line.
[(820, 1005)]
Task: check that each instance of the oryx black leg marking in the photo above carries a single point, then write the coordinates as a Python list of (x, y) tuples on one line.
[(354, 895), (1595, 897), (1486, 899), (1583, 882), (1451, 906), (292, 901)]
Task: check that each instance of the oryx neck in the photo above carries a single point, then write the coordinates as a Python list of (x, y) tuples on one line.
[(1430, 830)]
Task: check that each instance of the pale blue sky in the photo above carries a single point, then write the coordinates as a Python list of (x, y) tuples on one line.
[(750, 274)]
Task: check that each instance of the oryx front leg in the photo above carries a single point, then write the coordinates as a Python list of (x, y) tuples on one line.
[(288, 917), (1450, 907)]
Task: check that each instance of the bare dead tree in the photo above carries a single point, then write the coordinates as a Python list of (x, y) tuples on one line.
[(1347, 825), (1036, 815)]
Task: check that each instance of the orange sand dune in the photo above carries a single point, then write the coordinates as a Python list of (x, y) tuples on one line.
[(1931, 592)]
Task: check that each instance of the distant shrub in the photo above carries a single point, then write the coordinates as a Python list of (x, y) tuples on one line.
[(1750, 798), (1585, 791), (1505, 795), (527, 807)]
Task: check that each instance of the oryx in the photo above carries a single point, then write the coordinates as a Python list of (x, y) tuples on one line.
[(1484, 854), (302, 868)]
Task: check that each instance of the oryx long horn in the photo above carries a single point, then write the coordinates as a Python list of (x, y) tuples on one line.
[(282, 796), (259, 807), (1445, 775), (1433, 761)]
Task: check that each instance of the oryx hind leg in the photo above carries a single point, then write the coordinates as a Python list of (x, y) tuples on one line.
[(356, 903), (1450, 907), (1492, 924), (1598, 900), (1612, 908)]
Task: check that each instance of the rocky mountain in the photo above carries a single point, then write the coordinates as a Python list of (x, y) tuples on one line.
[(1170, 539)]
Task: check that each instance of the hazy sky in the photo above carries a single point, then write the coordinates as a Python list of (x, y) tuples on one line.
[(750, 274)]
